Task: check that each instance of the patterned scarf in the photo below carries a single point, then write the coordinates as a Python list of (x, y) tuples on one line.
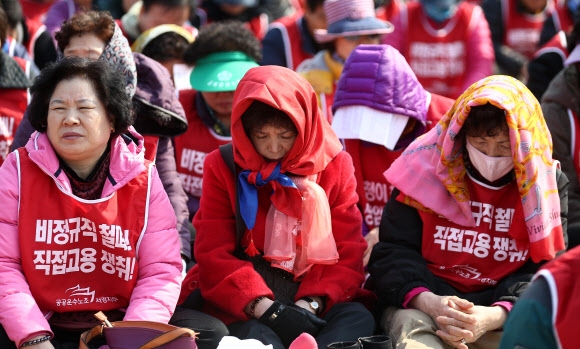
[(431, 171)]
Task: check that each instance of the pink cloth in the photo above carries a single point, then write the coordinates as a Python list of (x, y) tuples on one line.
[(430, 172), (304, 341), (296, 245), (159, 275)]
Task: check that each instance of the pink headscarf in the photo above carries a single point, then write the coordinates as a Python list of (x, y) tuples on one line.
[(430, 172)]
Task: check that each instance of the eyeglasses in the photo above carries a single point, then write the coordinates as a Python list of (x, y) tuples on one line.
[(356, 38)]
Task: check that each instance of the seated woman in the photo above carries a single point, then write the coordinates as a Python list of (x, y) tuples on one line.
[(85, 222), (479, 204), (297, 200)]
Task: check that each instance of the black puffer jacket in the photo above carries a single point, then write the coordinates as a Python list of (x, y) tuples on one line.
[(397, 266)]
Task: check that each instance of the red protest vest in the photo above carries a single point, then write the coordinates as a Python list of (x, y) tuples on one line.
[(79, 255), (258, 25), (522, 30), (192, 147), (438, 57), (557, 44), (562, 277), (289, 26), (150, 143), (389, 10), (475, 258), (12, 108)]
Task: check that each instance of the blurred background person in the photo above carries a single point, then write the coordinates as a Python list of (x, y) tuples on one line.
[(549, 60), (290, 40), (15, 79), (165, 43), (349, 24), (446, 42), (561, 110)]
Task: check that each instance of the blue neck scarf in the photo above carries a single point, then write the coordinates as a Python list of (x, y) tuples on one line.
[(248, 192)]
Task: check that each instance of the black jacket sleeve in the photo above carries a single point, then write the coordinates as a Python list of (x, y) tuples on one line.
[(397, 266), (541, 70)]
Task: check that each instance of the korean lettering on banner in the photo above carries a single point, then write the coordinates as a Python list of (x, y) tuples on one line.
[(85, 260), (482, 244)]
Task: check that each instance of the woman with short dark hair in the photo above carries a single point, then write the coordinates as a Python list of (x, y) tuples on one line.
[(86, 224), (478, 206)]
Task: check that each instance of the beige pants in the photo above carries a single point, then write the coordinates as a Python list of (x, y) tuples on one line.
[(413, 329)]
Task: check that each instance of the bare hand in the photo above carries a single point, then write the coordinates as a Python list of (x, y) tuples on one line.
[(455, 311), (372, 238), (486, 319)]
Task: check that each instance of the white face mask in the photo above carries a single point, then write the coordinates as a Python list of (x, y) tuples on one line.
[(491, 168)]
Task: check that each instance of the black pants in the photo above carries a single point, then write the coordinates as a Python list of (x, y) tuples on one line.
[(210, 331), (62, 340), (345, 322)]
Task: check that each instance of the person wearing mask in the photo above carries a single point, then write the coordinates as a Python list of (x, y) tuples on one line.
[(479, 205), (165, 43), (146, 14), (15, 79), (515, 31), (159, 114), (446, 42)]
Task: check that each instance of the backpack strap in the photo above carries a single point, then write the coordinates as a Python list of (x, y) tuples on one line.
[(227, 152)]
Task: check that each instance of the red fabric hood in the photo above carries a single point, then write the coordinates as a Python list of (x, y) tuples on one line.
[(316, 144)]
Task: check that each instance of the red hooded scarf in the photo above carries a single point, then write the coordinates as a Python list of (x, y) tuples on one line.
[(316, 143)]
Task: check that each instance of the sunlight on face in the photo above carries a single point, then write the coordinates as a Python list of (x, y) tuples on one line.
[(85, 45), (77, 123), (496, 146), (272, 142)]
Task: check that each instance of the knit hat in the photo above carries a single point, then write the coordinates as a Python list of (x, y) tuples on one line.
[(349, 18), (376, 95)]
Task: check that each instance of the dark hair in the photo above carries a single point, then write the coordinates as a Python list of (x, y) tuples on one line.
[(13, 12), (313, 4), (484, 120), (108, 83), (260, 114), (166, 46), (226, 36), (100, 23), (165, 3), (3, 27)]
